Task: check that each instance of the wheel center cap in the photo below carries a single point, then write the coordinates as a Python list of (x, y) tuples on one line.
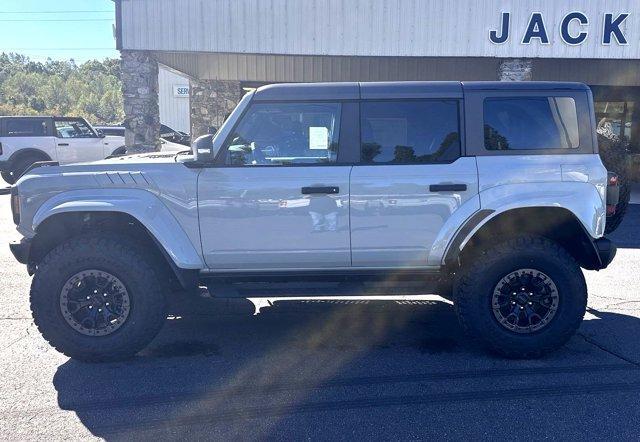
[(522, 298)]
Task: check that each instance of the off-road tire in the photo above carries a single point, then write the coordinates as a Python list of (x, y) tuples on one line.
[(119, 256), (476, 282)]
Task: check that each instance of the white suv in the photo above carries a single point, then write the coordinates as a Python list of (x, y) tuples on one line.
[(27, 140), (490, 194)]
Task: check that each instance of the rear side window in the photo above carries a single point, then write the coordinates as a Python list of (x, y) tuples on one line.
[(409, 132), (530, 123), (26, 127)]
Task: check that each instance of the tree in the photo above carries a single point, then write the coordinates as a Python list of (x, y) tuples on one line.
[(92, 90)]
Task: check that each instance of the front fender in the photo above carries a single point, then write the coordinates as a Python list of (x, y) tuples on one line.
[(581, 199), (140, 204)]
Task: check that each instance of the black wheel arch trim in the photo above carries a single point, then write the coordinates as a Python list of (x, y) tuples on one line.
[(453, 252), (596, 253), (26, 152)]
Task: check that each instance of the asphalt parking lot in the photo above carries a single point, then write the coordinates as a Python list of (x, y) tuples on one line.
[(325, 371)]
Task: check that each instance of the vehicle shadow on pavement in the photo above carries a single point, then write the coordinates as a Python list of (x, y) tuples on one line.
[(204, 362), (217, 367)]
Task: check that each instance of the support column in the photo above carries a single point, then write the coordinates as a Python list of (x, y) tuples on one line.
[(211, 102), (515, 69), (140, 93)]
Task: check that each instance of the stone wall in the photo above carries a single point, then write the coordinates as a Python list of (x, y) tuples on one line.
[(211, 102), (515, 69), (140, 93)]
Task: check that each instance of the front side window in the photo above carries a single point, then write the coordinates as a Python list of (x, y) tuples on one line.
[(280, 134), (27, 127), (409, 132), (73, 129), (530, 123)]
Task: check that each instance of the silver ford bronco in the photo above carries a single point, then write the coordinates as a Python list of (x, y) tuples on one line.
[(489, 194)]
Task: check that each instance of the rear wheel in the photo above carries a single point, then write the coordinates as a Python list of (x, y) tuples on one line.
[(522, 298), (98, 298)]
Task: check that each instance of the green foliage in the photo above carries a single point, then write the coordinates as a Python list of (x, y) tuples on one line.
[(92, 90)]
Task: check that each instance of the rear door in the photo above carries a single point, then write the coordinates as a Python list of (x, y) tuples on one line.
[(279, 196), (412, 184), (76, 141)]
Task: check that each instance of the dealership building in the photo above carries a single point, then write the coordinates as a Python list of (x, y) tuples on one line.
[(216, 50)]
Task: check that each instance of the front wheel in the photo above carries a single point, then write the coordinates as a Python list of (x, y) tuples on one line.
[(98, 298), (522, 298)]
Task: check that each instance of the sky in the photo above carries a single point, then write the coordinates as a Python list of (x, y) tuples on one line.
[(59, 29)]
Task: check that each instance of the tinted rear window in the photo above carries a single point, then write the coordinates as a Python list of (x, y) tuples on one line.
[(25, 128), (409, 132), (530, 123)]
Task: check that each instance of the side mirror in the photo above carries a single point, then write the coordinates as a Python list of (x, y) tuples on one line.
[(100, 133), (203, 148), (212, 130)]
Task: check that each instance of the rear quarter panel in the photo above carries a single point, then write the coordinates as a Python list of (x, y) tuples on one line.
[(575, 182)]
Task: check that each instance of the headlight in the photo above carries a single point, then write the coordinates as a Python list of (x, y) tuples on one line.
[(15, 205)]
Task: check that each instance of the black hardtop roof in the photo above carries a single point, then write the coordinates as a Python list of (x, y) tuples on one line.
[(399, 89)]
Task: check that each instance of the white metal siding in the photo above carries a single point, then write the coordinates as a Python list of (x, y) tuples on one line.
[(443, 28), (174, 111)]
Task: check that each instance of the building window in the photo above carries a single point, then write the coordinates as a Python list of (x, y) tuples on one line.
[(614, 119)]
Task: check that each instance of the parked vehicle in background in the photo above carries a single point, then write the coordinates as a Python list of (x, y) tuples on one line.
[(117, 131), (165, 145), (27, 140), (166, 133), (174, 136), (489, 194)]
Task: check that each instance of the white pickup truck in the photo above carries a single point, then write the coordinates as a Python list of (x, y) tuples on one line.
[(27, 140)]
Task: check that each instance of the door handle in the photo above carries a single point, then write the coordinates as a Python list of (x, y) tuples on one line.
[(447, 187), (319, 189), (63, 144)]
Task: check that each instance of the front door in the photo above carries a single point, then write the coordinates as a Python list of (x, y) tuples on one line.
[(411, 182), (76, 142), (278, 197)]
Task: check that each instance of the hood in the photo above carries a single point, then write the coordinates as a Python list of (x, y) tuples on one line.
[(126, 163)]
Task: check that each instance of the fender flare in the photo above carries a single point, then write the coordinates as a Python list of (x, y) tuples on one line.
[(577, 198), (141, 204), (26, 152)]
